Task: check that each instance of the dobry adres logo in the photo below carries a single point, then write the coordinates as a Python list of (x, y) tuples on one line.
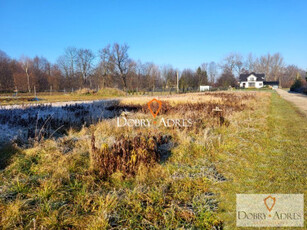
[(261, 210), (269, 205), (161, 121)]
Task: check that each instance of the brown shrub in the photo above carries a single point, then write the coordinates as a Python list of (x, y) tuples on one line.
[(229, 103), (126, 154)]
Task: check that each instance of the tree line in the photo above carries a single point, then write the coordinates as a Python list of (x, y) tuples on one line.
[(112, 67)]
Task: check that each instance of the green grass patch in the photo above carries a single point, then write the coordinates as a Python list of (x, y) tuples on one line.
[(266, 153)]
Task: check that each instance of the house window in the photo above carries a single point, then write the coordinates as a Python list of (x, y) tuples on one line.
[(260, 84), (251, 84)]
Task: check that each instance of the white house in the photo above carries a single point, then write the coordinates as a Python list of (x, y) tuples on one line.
[(254, 80), (204, 88), (251, 80)]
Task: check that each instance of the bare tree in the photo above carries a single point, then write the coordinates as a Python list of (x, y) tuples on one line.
[(201, 75), (40, 71), (289, 75), (263, 65), (6, 74), (143, 75), (170, 76), (61, 62), (117, 60), (153, 74), (84, 63), (250, 63), (67, 62), (71, 54), (56, 78), (204, 67), (212, 71), (233, 63), (277, 66), (270, 65), (227, 79), (103, 76), (25, 63), (188, 80)]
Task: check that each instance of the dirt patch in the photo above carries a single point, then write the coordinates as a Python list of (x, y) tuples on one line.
[(299, 100)]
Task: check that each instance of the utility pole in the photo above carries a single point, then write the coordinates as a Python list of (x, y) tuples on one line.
[(177, 83), (16, 91)]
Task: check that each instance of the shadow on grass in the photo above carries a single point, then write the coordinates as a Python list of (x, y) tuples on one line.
[(6, 153)]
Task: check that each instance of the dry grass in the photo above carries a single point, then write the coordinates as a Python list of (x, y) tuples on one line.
[(216, 97), (54, 186), (126, 155)]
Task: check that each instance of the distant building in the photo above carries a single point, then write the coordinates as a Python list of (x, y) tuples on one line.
[(273, 84), (204, 88), (251, 80), (254, 80)]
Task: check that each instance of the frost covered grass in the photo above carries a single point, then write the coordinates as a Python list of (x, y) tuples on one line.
[(53, 185), (47, 97), (23, 123)]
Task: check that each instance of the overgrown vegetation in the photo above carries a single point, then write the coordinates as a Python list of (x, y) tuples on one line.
[(109, 177), (126, 155)]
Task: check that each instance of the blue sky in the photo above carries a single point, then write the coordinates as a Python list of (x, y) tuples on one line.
[(181, 33)]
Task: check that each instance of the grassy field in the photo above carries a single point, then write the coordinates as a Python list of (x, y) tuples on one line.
[(265, 153), (258, 146), (79, 95)]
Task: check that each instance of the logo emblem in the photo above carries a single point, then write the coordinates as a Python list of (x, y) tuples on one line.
[(270, 210), (154, 114), (269, 202)]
